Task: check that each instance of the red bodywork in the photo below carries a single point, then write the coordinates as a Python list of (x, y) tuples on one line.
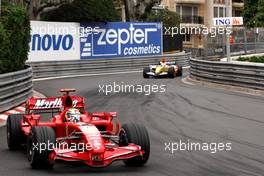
[(97, 131)]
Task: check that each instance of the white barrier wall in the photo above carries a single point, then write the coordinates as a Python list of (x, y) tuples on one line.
[(54, 41)]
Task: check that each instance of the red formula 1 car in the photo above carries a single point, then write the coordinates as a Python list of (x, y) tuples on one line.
[(73, 134)]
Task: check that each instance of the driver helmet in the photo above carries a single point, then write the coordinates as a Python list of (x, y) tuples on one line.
[(73, 115), (163, 60)]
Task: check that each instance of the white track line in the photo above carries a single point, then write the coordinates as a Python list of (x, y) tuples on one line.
[(184, 80), (85, 75)]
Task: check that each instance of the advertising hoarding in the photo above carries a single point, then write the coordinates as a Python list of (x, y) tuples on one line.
[(58, 41), (232, 21), (119, 39), (54, 41)]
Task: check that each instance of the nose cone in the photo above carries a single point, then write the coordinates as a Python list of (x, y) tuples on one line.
[(98, 146), (93, 138)]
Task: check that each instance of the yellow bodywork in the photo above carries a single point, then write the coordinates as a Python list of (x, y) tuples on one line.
[(161, 69)]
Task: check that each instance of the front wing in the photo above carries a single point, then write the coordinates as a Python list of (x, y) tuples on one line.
[(98, 160), (157, 75)]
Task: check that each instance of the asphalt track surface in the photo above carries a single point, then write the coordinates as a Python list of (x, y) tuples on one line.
[(183, 112)]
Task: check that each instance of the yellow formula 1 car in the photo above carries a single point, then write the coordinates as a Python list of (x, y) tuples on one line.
[(163, 69)]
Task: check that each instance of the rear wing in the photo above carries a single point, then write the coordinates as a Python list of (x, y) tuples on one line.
[(171, 63), (53, 103)]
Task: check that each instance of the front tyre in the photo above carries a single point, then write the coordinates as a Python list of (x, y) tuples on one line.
[(137, 134), (171, 72), (179, 73), (14, 134), (145, 71), (41, 141)]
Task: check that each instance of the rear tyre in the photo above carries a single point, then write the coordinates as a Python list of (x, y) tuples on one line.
[(137, 134), (145, 71), (14, 133), (39, 157), (171, 72), (179, 73)]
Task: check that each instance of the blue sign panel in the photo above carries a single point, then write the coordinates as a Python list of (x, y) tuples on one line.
[(117, 39)]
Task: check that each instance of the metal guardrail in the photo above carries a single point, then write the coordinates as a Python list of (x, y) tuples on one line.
[(77, 67), (15, 88), (248, 75), (237, 49)]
